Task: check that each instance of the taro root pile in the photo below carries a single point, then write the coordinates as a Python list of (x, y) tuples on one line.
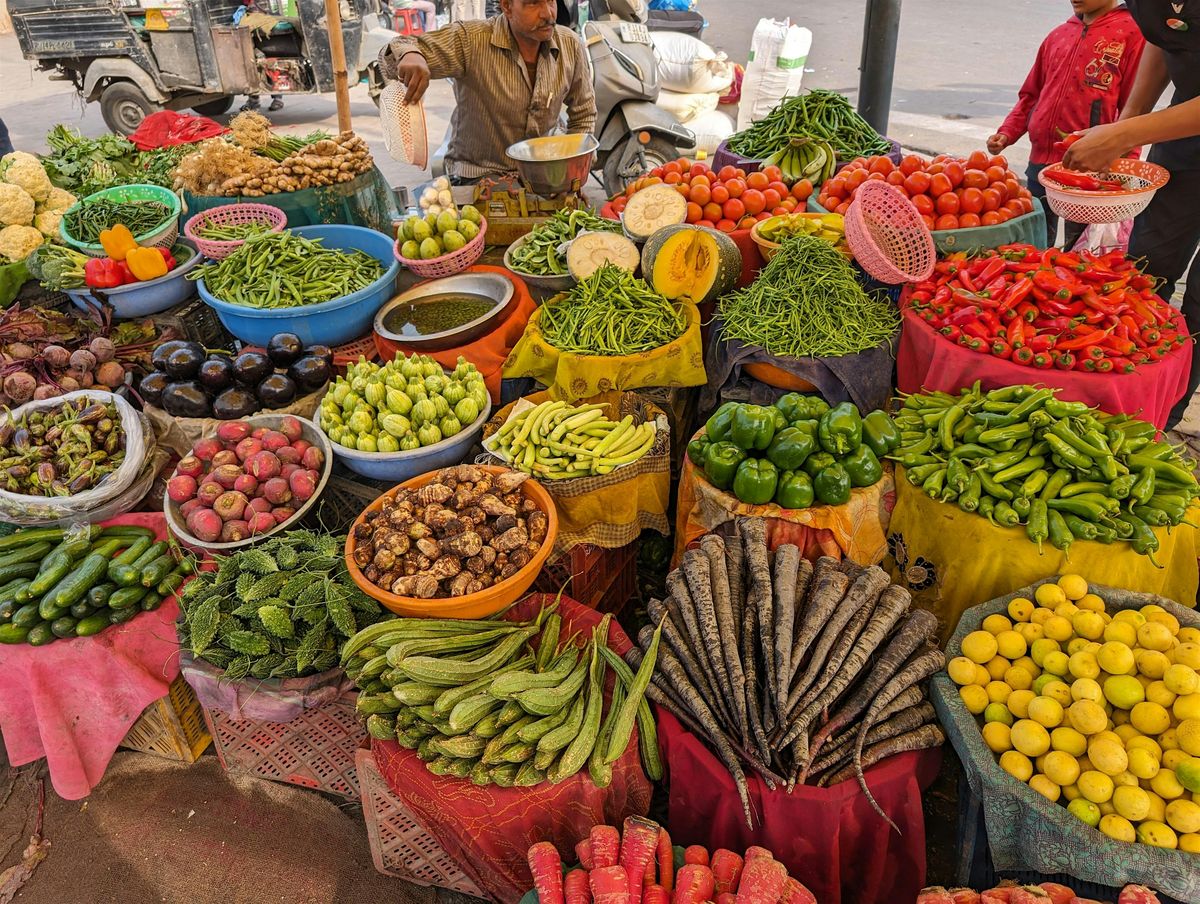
[(61, 451), (461, 533)]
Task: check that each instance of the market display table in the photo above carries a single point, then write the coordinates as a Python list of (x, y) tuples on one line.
[(927, 360), (73, 701)]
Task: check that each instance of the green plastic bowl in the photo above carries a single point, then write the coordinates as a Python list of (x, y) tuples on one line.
[(163, 235)]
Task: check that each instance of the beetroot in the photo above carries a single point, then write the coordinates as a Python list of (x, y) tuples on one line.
[(313, 458), (204, 525), (206, 449), (263, 465), (259, 504), (209, 491), (277, 491), (190, 506), (288, 455), (282, 513), (248, 447), (58, 357), (83, 377), (261, 522), (181, 488), (101, 347), (110, 374), (303, 484), (225, 457), (233, 431), (231, 505), (68, 384), (225, 475), (232, 531), (191, 466), (273, 441), (82, 359), (246, 483), (291, 428), (20, 386), (45, 391)]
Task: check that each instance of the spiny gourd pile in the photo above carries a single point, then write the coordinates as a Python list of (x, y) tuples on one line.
[(1098, 709), (281, 609)]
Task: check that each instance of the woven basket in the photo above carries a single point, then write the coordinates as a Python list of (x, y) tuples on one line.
[(887, 235), (448, 264), (231, 215), (172, 727), (1141, 180), (163, 236)]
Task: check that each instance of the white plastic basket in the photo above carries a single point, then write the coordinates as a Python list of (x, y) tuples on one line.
[(1141, 181), (404, 133)]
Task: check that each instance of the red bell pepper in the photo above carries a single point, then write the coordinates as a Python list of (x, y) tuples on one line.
[(102, 273)]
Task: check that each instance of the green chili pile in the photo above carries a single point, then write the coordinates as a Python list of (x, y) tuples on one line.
[(824, 115), (611, 313), (233, 232), (88, 219), (808, 301), (539, 256), (283, 270)]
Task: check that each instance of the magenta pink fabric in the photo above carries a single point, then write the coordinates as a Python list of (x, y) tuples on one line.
[(73, 701)]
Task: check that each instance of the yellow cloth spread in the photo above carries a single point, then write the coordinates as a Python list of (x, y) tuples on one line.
[(571, 377), (951, 560)]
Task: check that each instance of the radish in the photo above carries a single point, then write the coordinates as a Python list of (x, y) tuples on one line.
[(232, 531), (276, 491), (231, 505), (225, 475), (261, 522), (546, 867), (1137, 894), (246, 483), (191, 466), (291, 428), (258, 504), (1059, 894), (289, 455), (1001, 894), (1028, 894), (303, 484), (181, 488), (233, 431), (209, 492), (248, 447), (225, 457), (259, 432), (263, 465), (205, 449), (273, 441), (205, 525), (282, 513), (313, 458), (190, 506)]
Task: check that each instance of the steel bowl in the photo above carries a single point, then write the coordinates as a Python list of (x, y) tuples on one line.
[(554, 164), (555, 283), (489, 285)]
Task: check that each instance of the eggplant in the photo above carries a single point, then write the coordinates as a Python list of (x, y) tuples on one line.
[(186, 399), (159, 357), (152, 386), (310, 372), (216, 372), (184, 363), (234, 403), (250, 368), (276, 391), (284, 348), (320, 351)]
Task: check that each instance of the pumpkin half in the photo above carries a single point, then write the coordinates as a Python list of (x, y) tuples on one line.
[(692, 263)]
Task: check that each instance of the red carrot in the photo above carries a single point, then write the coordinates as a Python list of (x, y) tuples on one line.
[(1059, 894), (762, 880), (651, 875), (666, 861), (655, 894), (726, 898), (964, 896), (583, 851), (696, 853), (606, 846), (727, 870), (546, 866), (694, 885), (794, 892), (576, 888), (610, 885), (638, 842)]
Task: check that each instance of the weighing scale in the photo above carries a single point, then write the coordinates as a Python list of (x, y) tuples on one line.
[(512, 210)]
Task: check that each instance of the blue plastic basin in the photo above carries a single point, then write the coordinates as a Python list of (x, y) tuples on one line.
[(328, 323), (144, 298)]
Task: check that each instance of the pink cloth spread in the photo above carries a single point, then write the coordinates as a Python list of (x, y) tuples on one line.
[(73, 701)]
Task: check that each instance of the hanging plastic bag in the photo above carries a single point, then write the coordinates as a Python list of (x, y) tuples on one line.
[(687, 65), (775, 67), (1104, 237), (711, 129)]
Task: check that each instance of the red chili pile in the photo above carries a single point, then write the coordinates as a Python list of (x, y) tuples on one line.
[(1072, 311)]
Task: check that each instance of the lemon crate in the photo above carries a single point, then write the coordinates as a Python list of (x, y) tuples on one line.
[(314, 750), (399, 846), (599, 578), (172, 727)]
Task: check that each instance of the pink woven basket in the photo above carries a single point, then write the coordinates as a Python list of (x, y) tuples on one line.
[(447, 264), (231, 215), (887, 235)]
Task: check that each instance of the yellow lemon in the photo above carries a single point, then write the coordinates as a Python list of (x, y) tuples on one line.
[(1083, 665), (1131, 802), (1108, 755), (1073, 586), (1088, 624), (1189, 635), (1150, 718), (1132, 616), (1118, 828), (1010, 644), (1040, 614), (1083, 809), (1121, 632), (1042, 680), (1029, 737), (1168, 741), (1183, 815), (1145, 744), (1060, 767), (1017, 765), (1188, 652), (979, 646), (1154, 635), (1040, 649), (1086, 689), (961, 670), (1181, 679), (1106, 734), (1090, 601), (1066, 610), (1017, 678), (1071, 792), (1077, 645), (1187, 773), (1050, 595), (1057, 690), (974, 698), (1095, 786), (1029, 631), (1043, 786), (996, 623), (1190, 843), (1163, 617), (1151, 607), (1142, 763), (1126, 731), (1173, 757), (996, 735), (997, 666), (1125, 779), (1186, 707), (997, 691), (997, 712), (1085, 716), (1123, 691), (1158, 806), (1046, 711), (982, 675), (1115, 658), (1056, 663), (1018, 703), (1187, 733), (1151, 663), (1157, 834), (1028, 665), (1068, 740), (1166, 785), (1156, 692), (1020, 609), (1058, 628)]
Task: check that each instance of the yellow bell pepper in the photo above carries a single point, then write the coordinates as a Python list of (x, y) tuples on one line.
[(117, 242), (146, 263)]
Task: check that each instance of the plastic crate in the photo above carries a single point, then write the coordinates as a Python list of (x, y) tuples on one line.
[(399, 846), (172, 727), (198, 323), (315, 750), (599, 578), (345, 355)]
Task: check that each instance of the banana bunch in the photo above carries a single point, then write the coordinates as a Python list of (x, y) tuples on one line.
[(804, 158)]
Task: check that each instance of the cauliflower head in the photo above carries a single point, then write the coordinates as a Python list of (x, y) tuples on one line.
[(57, 199), (16, 205), (18, 242), (46, 222), (29, 175)]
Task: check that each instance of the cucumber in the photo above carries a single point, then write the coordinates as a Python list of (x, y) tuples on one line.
[(120, 616), (27, 616), (34, 535), (40, 635), (13, 634), (127, 575), (157, 570), (167, 586), (128, 531), (9, 573), (80, 580), (76, 547), (55, 567), (64, 627), (135, 549), (99, 594), (83, 609), (49, 610), (151, 601), (93, 624), (151, 554), (126, 597), (7, 608), (35, 552)]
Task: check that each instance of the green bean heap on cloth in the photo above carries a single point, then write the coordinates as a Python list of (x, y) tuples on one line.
[(539, 255), (808, 302), (88, 219), (611, 313), (820, 114), (284, 270)]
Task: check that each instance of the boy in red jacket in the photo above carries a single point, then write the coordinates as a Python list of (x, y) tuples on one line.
[(1081, 78)]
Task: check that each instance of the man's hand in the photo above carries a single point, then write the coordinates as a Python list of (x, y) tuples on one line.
[(1098, 148), (997, 143), (413, 71)]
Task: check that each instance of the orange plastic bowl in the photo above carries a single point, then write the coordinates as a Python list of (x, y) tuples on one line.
[(472, 605), (777, 377)]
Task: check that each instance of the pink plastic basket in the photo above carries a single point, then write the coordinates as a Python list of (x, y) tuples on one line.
[(447, 264), (231, 215), (887, 235)]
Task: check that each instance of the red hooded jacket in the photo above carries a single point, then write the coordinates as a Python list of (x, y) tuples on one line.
[(1081, 78)]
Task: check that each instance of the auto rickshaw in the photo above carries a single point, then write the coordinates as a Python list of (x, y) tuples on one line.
[(138, 57)]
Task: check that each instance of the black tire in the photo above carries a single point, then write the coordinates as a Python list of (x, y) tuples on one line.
[(124, 106), (655, 152), (215, 107)]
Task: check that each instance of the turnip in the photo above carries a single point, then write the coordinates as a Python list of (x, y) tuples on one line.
[(209, 491), (190, 506), (273, 441), (191, 466), (303, 484), (291, 428), (82, 359), (20, 386), (56, 357), (46, 391), (313, 458), (259, 432), (282, 513), (248, 447), (261, 522), (204, 525), (181, 488), (277, 491), (206, 449), (259, 504), (225, 475), (246, 483), (102, 348), (232, 531), (111, 374), (263, 465), (233, 431), (225, 457), (231, 505), (289, 468), (288, 455)]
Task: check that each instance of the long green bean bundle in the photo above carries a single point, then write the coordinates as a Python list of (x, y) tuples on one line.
[(611, 313), (87, 220), (283, 270), (808, 301), (824, 115), (539, 256)]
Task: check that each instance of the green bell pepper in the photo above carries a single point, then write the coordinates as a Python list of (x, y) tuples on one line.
[(697, 448), (721, 462), (879, 432), (818, 462), (832, 485), (753, 427), (863, 467), (755, 481), (801, 407), (795, 490), (790, 447), (717, 428), (808, 425), (840, 429), (780, 421)]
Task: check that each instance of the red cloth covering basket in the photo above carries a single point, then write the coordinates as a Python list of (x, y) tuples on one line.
[(447, 264), (231, 215)]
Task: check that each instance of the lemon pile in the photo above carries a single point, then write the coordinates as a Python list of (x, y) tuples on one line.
[(1099, 711)]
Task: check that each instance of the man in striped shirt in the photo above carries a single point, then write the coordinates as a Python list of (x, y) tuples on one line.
[(513, 74)]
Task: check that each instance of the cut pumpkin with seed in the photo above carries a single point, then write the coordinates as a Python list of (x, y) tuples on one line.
[(590, 251), (651, 209), (692, 263)]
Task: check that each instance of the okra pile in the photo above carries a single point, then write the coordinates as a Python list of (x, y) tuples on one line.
[(1067, 472), (504, 702), (57, 583)]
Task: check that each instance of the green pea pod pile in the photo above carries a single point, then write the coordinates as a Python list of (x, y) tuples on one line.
[(539, 256), (1020, 456), (794, 453)]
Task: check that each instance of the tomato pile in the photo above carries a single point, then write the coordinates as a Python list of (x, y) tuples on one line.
[(728, 199), (1072, 311), (949, 192)]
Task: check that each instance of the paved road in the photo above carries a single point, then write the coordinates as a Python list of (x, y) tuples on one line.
[(957, 74)]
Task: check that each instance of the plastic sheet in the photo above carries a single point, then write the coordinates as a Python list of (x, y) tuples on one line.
[(265, 700)]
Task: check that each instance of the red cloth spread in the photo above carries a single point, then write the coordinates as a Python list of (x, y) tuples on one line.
[(829, 838), (488, 830), (930, 361), (166, 128), (73, 701)]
